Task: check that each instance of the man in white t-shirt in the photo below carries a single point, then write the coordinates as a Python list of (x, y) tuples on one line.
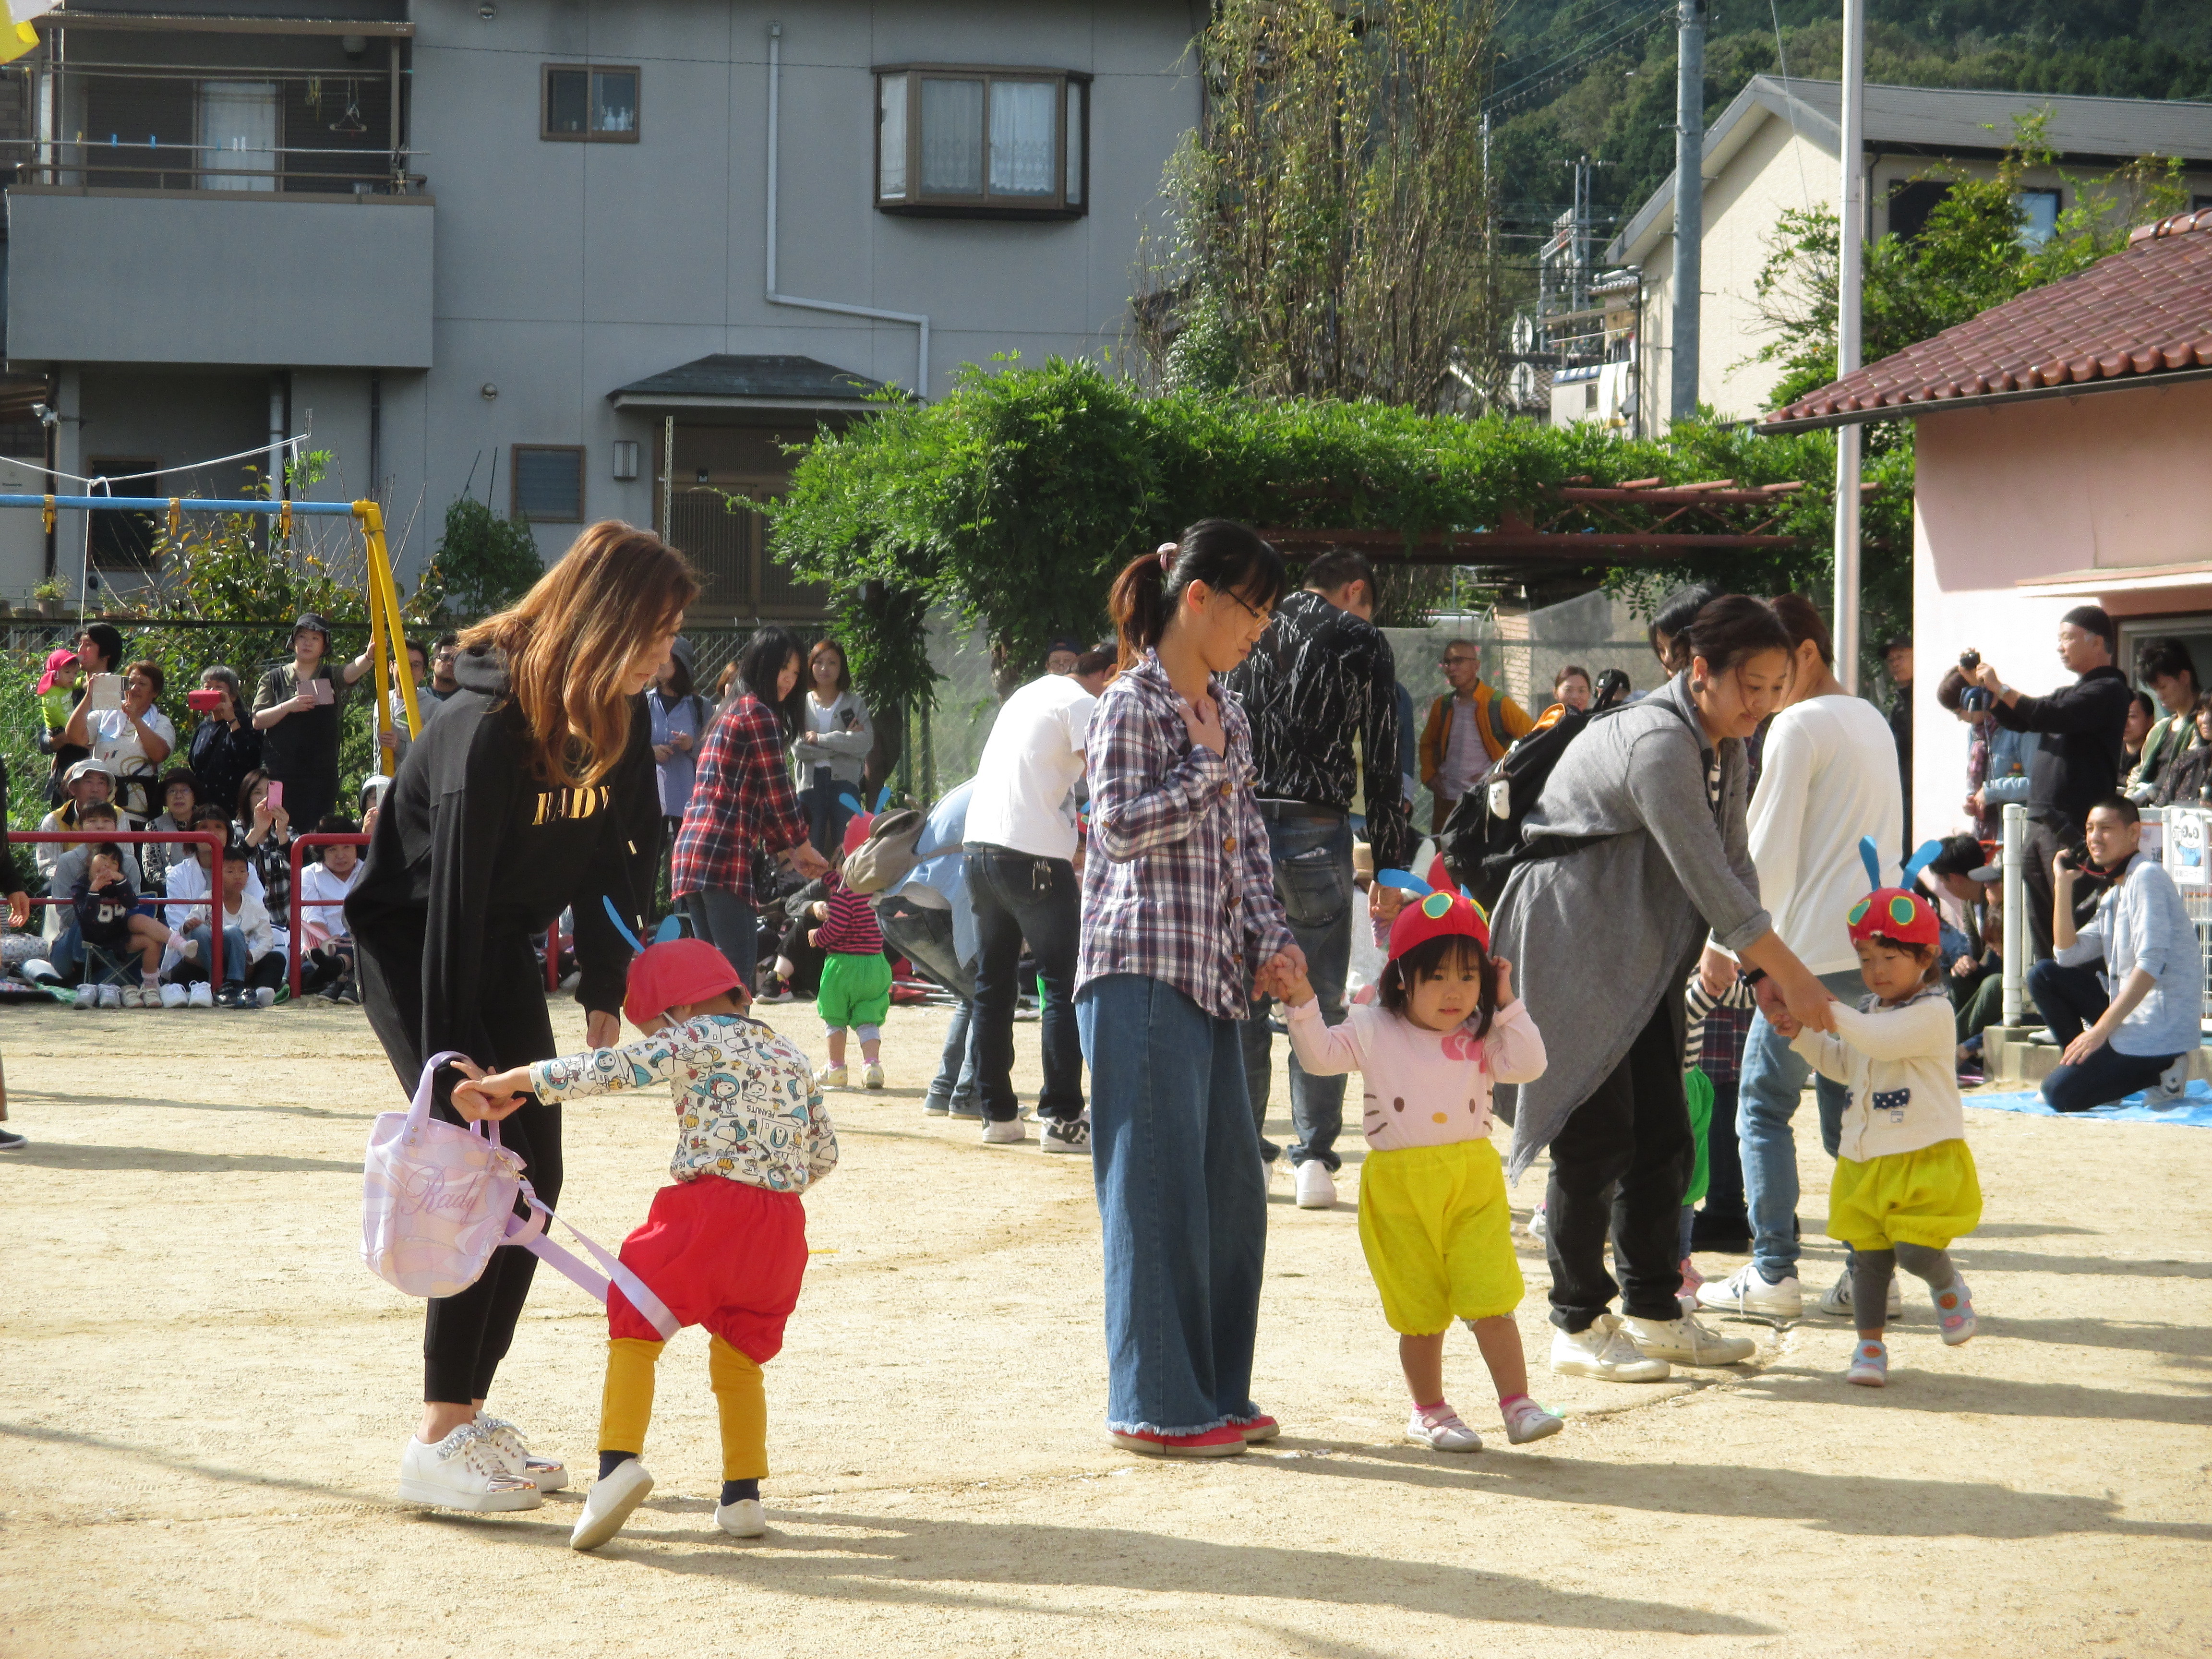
[(1021, 842), (1828, 776)]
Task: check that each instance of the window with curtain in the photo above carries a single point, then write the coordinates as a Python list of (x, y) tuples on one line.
[(238, 135), (957, 141), (589, 104)]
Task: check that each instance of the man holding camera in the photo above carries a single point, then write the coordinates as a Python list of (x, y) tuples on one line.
[(2082, 725)]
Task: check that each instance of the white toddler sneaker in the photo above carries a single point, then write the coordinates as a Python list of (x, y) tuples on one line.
[(609, 1504), (1439, 1429), (463, 1471), (743, 1519)]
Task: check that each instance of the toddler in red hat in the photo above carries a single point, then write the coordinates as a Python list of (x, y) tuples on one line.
[(725, 1245), (1433, 1218), (1905, 1185)]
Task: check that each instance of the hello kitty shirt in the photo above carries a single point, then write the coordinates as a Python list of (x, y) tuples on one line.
[(747, 1106), (1423, 1088)]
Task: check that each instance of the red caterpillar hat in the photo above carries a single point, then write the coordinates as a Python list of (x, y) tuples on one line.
[(857, 828), (1433, 915), (1896, 914), (672, 972)]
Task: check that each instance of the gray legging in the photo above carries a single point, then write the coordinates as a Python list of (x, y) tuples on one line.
[(1872, 1270), (730, 924)]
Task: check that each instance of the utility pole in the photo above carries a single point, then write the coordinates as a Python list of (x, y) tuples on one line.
[(1850, 244), (1689, 203)]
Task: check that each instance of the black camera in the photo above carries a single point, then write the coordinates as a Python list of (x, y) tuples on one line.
[(1970, 662)]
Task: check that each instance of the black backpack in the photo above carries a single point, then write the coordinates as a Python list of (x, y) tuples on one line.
[(1481, 842)]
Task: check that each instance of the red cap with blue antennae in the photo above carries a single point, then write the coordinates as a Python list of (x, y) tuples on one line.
[(1897, 914), (1435, 913)]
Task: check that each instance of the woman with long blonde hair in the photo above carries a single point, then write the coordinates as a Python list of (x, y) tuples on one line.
[(512, 805)]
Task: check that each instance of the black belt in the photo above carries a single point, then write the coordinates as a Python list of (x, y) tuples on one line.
[(1302, 809)]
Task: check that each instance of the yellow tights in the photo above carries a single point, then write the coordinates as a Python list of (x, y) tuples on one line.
[(626, 1405)]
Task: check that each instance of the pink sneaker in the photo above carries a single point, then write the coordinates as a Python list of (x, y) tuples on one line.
[(1226, 1441)]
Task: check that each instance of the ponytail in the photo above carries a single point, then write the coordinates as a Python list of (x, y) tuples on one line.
[(1227, 556)]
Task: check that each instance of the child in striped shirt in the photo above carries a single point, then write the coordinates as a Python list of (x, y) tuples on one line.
[(856, 975)]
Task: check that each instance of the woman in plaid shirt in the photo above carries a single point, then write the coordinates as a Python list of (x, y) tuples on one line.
[(742, 799), (1180, 918)]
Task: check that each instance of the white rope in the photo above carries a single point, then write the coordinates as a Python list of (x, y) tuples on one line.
[(291, 443)]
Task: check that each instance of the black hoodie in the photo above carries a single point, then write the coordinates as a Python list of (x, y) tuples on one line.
[(469, 845)]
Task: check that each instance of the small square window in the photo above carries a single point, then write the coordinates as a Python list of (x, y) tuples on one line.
[(549, 483), (2038, 216), (980, 143), (587, 104)]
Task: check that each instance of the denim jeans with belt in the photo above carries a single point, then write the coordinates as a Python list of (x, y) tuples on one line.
[(1767, 1098), (924, 937), (1019, 896), (1311, 848), (1182, 1203)]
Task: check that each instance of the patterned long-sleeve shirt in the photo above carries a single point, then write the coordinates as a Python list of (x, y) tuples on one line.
[(747, 1106), (1178, 885), (850, 927), (1319, 677), (741, 798)]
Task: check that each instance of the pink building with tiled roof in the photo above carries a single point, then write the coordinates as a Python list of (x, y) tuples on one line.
[(2064, 457)]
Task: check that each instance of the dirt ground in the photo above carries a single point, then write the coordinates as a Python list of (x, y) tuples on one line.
[(205, 1392)]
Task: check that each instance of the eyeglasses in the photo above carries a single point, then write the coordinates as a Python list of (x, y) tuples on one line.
[(1263, 618)]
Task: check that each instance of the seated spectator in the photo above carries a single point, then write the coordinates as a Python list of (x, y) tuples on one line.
[(2125, 993), (109, 922), (1970, 954), (1998, 761), (2187, 778), (180, 800), (87, 783), (264, 827), (2140, 716), (326, 967), (253, 966), (97, 820), (2167, 668)]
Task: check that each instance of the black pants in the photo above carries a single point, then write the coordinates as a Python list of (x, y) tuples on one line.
[(1634, 1130), (2045, 837), (465, 1336), (1019, 897), (2071, 1000)]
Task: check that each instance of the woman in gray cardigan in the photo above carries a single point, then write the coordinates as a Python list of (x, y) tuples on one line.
[(1605, 936)]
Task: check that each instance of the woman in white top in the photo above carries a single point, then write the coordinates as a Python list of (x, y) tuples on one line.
[(134, 740), (832, 753)]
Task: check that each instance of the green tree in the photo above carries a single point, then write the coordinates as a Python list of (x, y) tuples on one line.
[(483, 563)]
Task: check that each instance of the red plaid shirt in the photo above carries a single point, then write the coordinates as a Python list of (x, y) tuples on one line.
[(741, 798)]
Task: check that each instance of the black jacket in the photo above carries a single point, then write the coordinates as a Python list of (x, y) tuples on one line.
[(2084, 728), (469, 844)]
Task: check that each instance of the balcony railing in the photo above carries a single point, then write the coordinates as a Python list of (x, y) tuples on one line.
[(116, 164)]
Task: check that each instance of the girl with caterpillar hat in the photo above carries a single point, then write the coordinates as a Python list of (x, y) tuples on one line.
[(1905, 1185), (1433, 1219)]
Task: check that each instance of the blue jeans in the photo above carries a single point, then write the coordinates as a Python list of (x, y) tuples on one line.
[(1182, 1204), (1767, 1098), (237, 955), (1019, 896), (2070, 999), (1312, 857), (924, 937), (730, 924), (826, 814)]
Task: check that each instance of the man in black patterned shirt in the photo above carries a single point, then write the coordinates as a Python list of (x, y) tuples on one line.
[(1321, 680)]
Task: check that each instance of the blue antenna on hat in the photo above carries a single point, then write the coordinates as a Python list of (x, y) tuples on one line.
[(621, 927)]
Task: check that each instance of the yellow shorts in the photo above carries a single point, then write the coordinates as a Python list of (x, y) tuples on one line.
[(1928, 1198), (1438, 1235)]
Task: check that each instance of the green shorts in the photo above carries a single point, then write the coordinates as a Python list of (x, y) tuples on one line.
[(855, 991)]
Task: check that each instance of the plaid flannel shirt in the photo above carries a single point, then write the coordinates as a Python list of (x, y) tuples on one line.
[(741, 798), (1178, 884)]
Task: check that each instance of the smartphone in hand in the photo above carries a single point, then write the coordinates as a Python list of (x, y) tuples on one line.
[(323, 693), (275, 798)]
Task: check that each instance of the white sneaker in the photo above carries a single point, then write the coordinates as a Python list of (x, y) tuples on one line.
[(111, 996), (874, 1077), (265, 997), (1835, 1302), (743, 1519), (463, 1471), (545, 1474), (833, 1077), (1316, 1187), (1746, 1292), (2173, 1084), (1439, 1429), (87, 996), (1604, 1350), (1008, 1133), (1066, 1135), (609, 1504), (174, 996), (1686, 1342), (202, 995), (133, 997)]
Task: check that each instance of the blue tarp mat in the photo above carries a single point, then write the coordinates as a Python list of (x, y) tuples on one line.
[(2194, 1109)]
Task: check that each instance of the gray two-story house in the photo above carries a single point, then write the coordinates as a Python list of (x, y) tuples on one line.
[(586, 258)]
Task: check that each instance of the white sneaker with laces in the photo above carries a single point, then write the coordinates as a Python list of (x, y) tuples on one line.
[(2172, 1083), (609, 1504), (202, 995), (87, 996), (174, 996), (1746, 1291), (111, 996), (743, 1519), (1686, 1342), (1603, 1350), (1316, 1187), (1065, 1134), (1439, 1429), (1835, 1302), (874, 1077), (463, 1471), (545, 1474), (1007, 1133)]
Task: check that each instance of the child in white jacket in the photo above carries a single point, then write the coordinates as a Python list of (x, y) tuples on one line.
[(1905, 1185)]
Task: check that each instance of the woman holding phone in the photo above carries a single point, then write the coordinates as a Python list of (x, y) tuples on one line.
[(515, 804), (118, 721), (297, 712), (225, 747)]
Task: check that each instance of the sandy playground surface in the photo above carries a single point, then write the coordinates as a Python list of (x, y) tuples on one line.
[(204, 1395)]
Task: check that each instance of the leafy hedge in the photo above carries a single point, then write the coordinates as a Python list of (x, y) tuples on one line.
[(1014, 499)]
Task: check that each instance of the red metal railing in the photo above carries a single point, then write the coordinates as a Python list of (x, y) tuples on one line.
[(214, 840), (299, 844)]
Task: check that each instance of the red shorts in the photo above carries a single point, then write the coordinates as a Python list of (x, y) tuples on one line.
[(722, 1255)]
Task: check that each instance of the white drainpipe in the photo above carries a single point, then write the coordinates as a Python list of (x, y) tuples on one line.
[(920, 322)]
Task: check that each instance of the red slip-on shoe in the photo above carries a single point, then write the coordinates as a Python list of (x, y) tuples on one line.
[(1262, 1427), (1224, 1442)]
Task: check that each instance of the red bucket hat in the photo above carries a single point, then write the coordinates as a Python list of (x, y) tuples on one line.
[(1897, 914), (677, 970)]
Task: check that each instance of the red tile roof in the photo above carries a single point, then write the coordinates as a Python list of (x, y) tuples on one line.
[(2145, 311)]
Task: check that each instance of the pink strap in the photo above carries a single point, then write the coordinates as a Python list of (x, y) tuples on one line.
[(530, 1234)]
